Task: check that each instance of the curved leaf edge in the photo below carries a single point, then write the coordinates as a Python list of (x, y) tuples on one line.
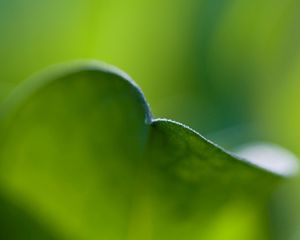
[(233, 156), (57, 71), (52, 73)]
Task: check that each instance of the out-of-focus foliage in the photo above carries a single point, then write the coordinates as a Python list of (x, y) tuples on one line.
[(212, 64), (81, 158)]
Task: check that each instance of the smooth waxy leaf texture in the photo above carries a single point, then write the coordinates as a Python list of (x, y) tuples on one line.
[(82, 158)]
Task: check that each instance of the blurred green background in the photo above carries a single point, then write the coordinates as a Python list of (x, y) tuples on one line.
[(229, 69)]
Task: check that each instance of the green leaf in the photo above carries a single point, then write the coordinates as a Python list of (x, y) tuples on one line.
[(17, 223), (81, 154)]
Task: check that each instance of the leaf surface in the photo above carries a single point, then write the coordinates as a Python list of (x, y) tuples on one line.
[(81, 153)]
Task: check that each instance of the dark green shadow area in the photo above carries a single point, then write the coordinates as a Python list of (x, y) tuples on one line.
[(17, 223)]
